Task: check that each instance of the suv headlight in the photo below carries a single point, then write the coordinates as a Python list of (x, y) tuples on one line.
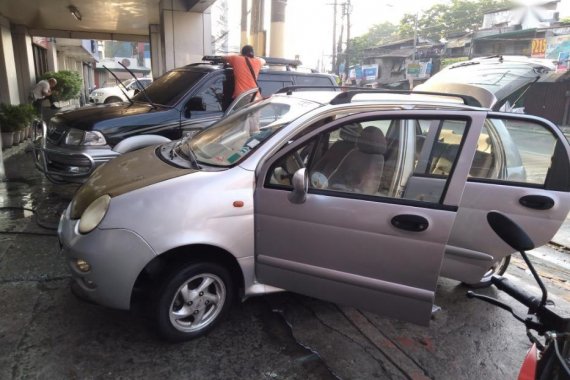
[(94, 214), (78, 137)]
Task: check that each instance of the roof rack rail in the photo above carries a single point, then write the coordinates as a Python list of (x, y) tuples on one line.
[(289, 90), (346, 97), (219, 59)]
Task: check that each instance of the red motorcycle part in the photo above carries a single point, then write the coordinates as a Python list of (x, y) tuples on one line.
[(528, 369)]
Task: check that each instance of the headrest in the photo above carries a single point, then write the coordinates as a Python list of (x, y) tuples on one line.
[(372, 141), (350, 132)]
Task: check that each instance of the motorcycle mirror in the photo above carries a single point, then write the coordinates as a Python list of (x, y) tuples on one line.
[(510, 232)]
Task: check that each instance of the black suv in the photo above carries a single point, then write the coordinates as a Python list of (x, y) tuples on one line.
[(180, 102)]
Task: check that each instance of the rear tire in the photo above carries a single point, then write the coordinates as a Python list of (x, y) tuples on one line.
[(498, 268), (192, 300)]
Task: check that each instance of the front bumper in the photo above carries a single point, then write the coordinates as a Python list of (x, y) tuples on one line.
[(116, 258), (68, 164)]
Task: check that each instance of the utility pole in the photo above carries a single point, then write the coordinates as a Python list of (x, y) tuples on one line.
[(244, 36), (334, 38), (348, 10)]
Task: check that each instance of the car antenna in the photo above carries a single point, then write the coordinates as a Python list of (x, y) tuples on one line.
[(140, 85), (120, 84)]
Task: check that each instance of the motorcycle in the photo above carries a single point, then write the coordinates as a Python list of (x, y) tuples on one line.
[(549, 358)]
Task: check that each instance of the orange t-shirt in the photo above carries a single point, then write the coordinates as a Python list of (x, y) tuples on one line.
[(242, 75)]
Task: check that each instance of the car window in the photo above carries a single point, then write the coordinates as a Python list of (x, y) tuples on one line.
[(517, 151), (212, 94), (312, 80), (366, 157), (271, 87)]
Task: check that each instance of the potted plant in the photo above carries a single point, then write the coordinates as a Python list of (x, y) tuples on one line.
[(8, 124), (27, 116)]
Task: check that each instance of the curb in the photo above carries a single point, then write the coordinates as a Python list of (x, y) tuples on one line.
[(16, 149)]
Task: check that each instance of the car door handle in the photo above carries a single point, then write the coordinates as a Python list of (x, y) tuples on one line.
[(537, 202), (410, 222)]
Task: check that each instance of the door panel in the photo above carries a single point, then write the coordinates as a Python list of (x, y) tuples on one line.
[(520, 176), (341, 244)]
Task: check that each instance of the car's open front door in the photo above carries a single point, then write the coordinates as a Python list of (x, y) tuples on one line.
[(347, 240)]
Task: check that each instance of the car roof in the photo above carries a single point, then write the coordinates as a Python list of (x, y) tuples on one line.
[(386, 98)]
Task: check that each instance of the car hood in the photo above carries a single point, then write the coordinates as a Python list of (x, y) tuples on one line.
[(86, 118), (490, 80), (123, 174)]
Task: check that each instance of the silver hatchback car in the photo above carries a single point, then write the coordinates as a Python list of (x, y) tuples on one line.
[(359, 198)]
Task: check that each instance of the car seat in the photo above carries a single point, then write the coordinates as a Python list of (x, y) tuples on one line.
[(338, 150), (361, 170)]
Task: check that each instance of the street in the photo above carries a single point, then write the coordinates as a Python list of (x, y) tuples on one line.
[(46, 332)]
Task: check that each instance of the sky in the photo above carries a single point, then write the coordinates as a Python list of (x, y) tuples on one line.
[(309, 23)]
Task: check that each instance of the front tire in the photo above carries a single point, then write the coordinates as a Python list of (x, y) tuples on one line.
[(113, 99), (192, 301)]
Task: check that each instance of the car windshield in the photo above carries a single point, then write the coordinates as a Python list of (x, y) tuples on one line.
[(227, 142), (170, 88)]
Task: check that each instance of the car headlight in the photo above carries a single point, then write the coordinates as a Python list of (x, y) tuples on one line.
[(78, 137), (94, 214), (74, 137), (94, 138)]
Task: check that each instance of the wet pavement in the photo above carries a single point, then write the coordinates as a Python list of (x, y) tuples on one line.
[(45, 332)]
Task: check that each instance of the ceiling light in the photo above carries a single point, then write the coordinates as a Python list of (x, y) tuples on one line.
[(75, 12)]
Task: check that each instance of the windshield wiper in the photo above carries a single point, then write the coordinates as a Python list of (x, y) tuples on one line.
[(187, 154), (120, 84), (141, 87)]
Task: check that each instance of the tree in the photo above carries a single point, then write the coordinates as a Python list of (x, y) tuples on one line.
[(441, 20), (376, 35)]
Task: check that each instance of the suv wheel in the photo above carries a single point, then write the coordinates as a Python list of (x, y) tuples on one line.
[(498, 268), (113, 99), (192, 300)]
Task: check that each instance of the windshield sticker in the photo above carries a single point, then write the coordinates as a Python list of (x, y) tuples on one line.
[(234, 157), (253, 143)]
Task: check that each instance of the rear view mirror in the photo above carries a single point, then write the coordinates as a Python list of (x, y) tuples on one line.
[(300, 186), (195, 104)]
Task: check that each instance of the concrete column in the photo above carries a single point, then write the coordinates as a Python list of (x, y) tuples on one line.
[(24, 57), (156, 50), (277, 41), (9, 90), (185, 36), (244, 40), (257, 36), (52, 59)]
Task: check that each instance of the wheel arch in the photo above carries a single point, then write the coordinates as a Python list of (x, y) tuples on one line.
[(163, 264)]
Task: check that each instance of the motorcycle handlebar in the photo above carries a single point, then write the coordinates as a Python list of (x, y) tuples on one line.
[(529, 300)]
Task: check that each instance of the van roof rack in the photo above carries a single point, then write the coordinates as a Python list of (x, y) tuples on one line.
[(273, 61), (346, 97), (290, 89)]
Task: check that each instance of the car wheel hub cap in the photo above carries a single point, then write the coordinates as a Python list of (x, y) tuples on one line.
[(197, 302)]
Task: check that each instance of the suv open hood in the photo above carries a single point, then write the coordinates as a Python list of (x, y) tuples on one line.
[(491, 80)]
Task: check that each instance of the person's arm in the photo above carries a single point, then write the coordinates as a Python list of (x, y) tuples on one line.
[(261, 60)]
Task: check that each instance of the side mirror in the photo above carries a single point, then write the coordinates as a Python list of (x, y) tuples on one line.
[(195, 104), (300, 186)]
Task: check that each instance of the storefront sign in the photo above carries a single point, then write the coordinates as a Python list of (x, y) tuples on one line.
[(370, 72), (538, 49)]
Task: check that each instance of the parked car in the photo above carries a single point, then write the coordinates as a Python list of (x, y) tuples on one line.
[(357, 198), (181, 102), (119, 93), (502, 80)]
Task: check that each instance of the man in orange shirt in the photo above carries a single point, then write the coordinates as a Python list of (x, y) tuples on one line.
[(246, 70)]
